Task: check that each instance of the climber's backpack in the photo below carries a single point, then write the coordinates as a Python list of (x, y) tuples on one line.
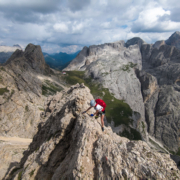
[(101, 103)]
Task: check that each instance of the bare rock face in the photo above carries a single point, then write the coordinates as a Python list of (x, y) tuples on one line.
[(33, 56), (150, 92), (167, 114), (158, 44), (79, 60), (148, 84), (72, 145), (11, 151), (94, 51), (21, 92), (160, 80)]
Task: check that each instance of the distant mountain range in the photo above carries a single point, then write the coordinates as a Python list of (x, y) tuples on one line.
[(60, 60)]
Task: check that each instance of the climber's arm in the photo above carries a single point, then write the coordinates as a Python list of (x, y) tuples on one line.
[(87, 109)]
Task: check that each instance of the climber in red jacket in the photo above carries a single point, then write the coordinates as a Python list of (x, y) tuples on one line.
[(99, 105)]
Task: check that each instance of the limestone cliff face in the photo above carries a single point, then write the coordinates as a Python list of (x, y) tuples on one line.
[(71, 145), (160, 81), (160, 89), (88, 55), (22, 80)]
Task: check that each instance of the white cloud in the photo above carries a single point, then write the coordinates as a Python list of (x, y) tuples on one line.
[(148, 20), (71, 49), (54, 48), (61, 27), (77, 27), (106, 25)]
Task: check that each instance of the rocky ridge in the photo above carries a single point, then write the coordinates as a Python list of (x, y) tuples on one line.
[(24, 80), (69, 144)]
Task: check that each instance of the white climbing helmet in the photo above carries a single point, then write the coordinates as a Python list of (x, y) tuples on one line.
[(92, 103)]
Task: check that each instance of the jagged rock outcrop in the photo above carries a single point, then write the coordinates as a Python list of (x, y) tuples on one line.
[(33, 56), (135, 40), (72, 145), (158, 44), (174, 40), (79, 60), (23, 83), (150, 92)]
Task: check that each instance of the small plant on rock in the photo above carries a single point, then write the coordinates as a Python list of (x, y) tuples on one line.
[(31, 173)]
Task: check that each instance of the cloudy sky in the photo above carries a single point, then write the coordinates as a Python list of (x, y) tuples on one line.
[(68, 25)]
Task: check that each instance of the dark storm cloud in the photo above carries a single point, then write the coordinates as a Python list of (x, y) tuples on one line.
[(76, 5), (175, 15), (28, 11), (27, 17), (41, 6), (155, 29)]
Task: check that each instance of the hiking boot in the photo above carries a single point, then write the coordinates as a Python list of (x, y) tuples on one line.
[(103, 129)]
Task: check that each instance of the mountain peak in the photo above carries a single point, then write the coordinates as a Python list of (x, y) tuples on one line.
[(17, 45), (174, 40), (33, 56), (135, 40), (177, 32)]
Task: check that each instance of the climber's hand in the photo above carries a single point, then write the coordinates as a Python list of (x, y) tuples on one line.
[(83, 112)]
